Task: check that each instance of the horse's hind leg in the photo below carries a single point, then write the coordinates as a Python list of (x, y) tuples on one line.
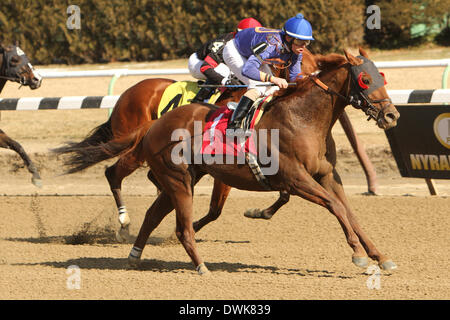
[(155, 214), (333, 184), (185, 232), (270, 211), (8, 143), (219, 196), (115, 174)]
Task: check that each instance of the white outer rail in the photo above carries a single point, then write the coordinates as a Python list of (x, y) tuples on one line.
[(131, 72)]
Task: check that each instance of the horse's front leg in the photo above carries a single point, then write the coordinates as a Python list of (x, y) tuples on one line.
[(155, 214), (308, 188), (333, 184), (270, 211), (8, 143)]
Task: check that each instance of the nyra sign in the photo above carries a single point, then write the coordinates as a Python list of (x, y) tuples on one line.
[(420, 142)]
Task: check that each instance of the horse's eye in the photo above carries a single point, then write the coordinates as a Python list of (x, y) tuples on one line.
[(364, 80)]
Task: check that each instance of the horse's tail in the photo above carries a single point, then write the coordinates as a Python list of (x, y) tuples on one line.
[(98, 135), (99, 146)]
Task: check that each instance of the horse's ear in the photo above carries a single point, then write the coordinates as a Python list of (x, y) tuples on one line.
[(352, 59), (363, 53)]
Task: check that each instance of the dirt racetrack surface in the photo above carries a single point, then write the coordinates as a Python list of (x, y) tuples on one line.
[(301, 253)]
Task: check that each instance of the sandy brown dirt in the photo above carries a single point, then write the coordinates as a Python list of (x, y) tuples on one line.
[(301, 253)]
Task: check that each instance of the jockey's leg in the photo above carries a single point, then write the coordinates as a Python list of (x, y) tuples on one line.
[(242, 108), (203, 94)]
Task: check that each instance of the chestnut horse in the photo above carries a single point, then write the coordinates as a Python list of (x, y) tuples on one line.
[(137, 106), (303, 117), (16, 67)]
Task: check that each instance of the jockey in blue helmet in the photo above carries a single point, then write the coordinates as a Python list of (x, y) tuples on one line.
[(297, 28), (286, 45)]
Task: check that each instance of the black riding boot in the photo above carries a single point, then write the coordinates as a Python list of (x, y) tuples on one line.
[(203, 94), (241, 111)]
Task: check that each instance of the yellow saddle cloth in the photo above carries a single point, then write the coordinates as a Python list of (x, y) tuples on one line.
[(180, 93)]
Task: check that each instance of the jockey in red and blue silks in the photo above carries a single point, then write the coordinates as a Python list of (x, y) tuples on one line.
[(284, 45)]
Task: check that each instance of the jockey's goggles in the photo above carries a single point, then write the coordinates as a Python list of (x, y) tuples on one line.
[(300, 42)]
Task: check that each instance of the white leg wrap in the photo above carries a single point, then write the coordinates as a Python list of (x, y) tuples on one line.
[(134, 258), (135, 253), (124, 219)]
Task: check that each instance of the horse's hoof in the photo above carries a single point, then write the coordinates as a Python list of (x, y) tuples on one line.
[(36, 182), (134, 263), (256, 214), (252, 213), (123, 234), (388, 265), (361, 262), (202, 270)]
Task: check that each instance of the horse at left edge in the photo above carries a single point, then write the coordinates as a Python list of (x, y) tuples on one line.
[(15, 66)]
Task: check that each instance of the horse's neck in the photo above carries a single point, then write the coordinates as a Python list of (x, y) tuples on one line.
[(316, 110), (339, 83)]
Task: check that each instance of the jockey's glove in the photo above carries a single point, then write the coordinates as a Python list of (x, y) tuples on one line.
[(230, 81)]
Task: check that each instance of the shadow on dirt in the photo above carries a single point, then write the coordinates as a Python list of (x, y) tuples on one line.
[(155, 265)]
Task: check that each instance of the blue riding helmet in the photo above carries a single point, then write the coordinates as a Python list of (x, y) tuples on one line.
[(298, 27)]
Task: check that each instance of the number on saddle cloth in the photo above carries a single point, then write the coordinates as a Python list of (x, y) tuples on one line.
[(178, 94)]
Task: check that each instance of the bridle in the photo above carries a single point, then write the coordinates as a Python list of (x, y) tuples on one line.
[(357, 96), (13, 73)]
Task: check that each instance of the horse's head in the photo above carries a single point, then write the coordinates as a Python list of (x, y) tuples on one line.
[(16, 67), (368, 92)]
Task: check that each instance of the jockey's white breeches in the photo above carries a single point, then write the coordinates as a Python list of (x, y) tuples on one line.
[(235, 62), (194, 65)]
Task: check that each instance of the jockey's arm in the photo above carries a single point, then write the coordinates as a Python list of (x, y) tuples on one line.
[(207, 69), (251, 70), (295, 68)]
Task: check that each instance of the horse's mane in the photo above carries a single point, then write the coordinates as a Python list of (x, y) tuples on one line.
[(324, 64), (329, 62)]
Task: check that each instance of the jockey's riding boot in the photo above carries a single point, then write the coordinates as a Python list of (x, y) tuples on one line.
[(241, 111), (203, 94)]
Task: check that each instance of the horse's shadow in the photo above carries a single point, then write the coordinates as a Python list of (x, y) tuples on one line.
[(155, 265)]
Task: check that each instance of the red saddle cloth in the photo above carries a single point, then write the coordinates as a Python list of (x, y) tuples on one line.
[(216, 142)]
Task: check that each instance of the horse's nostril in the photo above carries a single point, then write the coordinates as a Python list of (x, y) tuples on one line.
[(390, 117)]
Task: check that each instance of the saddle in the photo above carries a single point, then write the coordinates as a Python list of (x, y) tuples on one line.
[(255, 113), (215, 142), (180, 93)]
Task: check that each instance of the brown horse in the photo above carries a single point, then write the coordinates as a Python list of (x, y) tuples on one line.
[(16, 67), (303, 118)]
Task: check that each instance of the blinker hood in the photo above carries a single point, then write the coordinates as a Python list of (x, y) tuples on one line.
[(368, 67)]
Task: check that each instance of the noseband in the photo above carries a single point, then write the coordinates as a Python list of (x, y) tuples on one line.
[(366, 104)]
